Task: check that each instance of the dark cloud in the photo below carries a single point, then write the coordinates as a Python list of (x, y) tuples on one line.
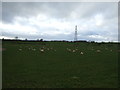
[(28, 9), (56, 10), (108, 9), (12, 9), (0, 11)]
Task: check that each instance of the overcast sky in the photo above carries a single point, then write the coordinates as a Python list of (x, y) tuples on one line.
[(96, 21)]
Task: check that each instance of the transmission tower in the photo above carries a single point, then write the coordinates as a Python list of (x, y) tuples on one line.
[(75, 39)]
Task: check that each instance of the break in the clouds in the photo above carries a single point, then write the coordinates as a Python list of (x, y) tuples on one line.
[(96, 21)]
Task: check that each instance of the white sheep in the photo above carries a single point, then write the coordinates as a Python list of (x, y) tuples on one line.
[(81, 53), (98, 51), (76, 49), (20, 49), (42, 50), (68, 49), (73, 50), (34, 49)]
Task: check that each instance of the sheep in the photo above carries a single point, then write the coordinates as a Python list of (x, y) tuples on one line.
[(74, 77), (68, 49), (48, 49), (42, 50), (76, 49), (81, 53), (98, 51), (20, 49), (34, 49), (73, 50)]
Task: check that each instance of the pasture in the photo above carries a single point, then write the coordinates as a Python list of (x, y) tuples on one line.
[(59, 65)]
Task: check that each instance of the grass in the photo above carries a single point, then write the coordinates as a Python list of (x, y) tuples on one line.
[(60, 68)]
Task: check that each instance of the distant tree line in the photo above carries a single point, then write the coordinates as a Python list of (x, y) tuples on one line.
[(41, 40)]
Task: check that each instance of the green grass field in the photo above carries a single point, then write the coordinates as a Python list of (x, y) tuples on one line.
[(25, 66)]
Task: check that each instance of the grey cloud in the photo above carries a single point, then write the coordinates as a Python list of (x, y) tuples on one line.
[(12, 9), (55, 9), (108, 9), (0, 11), (62, 11), (27, 9)]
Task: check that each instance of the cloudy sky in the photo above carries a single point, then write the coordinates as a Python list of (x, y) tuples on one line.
[(96, 21)]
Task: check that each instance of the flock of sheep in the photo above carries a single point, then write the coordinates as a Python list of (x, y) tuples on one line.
[(43, 49), (46, 49), (74, 50)]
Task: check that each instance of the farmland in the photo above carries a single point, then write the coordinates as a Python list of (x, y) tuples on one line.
[(59, 65)]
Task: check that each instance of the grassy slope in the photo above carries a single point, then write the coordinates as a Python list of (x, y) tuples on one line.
[(59, 68)]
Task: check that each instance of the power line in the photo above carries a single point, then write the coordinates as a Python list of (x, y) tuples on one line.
[(75, 38)]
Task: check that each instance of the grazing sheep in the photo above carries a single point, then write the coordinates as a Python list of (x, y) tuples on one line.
[(42, 50), (73, 50), (34, 49), (20, 49), (68, 49), (76, 49), (81, 53), (75, 77), (98, 51)]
